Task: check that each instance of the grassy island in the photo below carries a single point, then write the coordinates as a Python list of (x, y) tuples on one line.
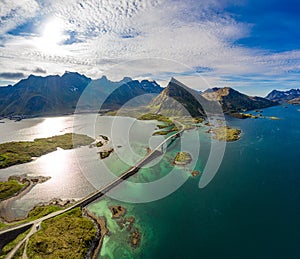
[(182, 158), (69, 235), (158, 117), (166, 128), (13, 153), (10, 188), (225, 133)]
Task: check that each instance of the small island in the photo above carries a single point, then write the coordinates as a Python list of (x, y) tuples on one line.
[(13, 153), (126, 223), (245, 115), (135, 238), (105, 153), (182, 158), (117, 211), (225, 133), (100, 141), (195, 173)]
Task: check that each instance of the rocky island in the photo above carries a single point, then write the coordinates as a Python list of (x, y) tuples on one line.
[(225, 133), (182, 158), (117, 211), (127, 223), (105, 153)]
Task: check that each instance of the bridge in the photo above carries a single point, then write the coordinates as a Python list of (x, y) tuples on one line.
[(11, 233)]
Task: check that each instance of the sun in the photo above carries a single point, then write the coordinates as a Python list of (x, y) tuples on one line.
[(52, 36)]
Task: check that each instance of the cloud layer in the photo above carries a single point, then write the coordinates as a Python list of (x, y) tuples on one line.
[(99, 34)]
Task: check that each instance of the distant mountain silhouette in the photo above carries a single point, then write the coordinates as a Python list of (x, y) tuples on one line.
[(290, 96), (62, 94), (233, 101), (128, 91), (54, 95)]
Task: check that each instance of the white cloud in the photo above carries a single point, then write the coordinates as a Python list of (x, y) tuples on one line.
[(104, 33), (16, 12)]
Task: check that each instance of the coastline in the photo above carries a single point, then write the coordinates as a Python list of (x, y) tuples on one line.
[(102, 230), (5, 214)]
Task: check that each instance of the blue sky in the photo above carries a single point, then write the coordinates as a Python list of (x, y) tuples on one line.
[(275, 24), (250, 45)]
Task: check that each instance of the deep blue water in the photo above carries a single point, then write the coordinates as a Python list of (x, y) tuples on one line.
[(251, 208)]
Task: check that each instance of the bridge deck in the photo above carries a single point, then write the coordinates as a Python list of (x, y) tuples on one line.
[(94, 196)]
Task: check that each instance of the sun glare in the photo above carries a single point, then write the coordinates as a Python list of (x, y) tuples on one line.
[(52, 36)]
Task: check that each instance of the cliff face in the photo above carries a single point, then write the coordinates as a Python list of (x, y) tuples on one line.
[(234, 101), (177, 100)]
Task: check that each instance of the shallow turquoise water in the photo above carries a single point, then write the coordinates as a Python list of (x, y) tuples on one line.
[(250, 209)]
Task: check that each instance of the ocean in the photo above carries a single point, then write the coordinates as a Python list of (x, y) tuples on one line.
[(250, 209)]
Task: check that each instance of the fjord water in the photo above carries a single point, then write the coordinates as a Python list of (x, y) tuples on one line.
[(74, 173), (250, 209)]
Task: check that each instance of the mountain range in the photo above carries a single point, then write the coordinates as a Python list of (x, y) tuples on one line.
[(233, 101), (291, 96), (54, 95)]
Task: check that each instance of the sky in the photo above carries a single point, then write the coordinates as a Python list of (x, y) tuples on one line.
[(250, 45)]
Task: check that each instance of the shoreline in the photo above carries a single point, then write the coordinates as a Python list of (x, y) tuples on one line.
[(5, 214), (102, 230)]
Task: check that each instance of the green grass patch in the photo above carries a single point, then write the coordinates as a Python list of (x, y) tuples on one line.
[(171, 128), (10, 188), (13, 153), (19, 253), (2, 225), (68, 235), (36, 213), (158, 117), (41, 211)]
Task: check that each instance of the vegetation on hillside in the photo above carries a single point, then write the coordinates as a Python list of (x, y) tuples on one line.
[(13, 153), (41, 211), (10, 188), (166, 128), (158, 117), (68, 235)]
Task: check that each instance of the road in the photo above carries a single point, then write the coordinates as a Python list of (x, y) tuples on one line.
[(92, 197)]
